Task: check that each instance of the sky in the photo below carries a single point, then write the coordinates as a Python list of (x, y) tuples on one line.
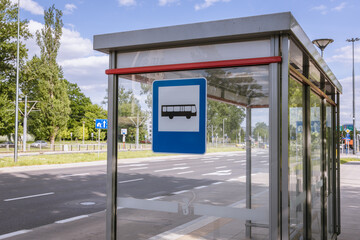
[(336, 19)]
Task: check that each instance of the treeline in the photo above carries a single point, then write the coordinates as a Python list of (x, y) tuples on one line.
[(61, 108)]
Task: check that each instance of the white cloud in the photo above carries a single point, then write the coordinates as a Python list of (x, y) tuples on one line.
[(73, 45), (208, 3), (166, 2), (127, 2), (69, 8), (340, 7), (321, 8), (344, 54), (31, 6)]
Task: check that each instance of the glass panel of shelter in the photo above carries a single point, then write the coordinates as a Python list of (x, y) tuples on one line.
[(323, 174), (224, 194)]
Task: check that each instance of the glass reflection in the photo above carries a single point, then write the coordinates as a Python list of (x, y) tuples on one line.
[(315, 165), (296, 159), (203, 196)]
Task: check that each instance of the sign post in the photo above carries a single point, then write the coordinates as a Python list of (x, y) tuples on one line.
[(123, 132), (179, 116), (100, 124)]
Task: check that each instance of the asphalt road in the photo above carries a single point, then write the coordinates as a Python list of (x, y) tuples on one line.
[(29, 199)]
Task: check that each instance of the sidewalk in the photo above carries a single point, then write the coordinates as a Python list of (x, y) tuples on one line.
[(350, 201)]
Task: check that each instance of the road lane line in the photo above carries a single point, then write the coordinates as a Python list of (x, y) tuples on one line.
[(72, 219), (171, 169), (179, 192), (200, 187), (221, 167), (155, 198), (239, 161), (217, 183), (138, 168), (185, 172), (30, 196), (12, 234), (179, 164), (74, 175), (134, 165), (230, 159), (208, 161), (132, 180)]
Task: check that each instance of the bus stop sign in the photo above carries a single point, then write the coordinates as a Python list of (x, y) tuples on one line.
[(179, 116)]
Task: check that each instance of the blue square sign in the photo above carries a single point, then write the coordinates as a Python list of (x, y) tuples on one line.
[(179, 116), (101, 123)]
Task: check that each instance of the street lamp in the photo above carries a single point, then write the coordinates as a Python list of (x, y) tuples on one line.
[(224, 131), (322, 44), (353, 40), (17, 89)]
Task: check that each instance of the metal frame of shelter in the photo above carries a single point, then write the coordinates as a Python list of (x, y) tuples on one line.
[(280, 32)]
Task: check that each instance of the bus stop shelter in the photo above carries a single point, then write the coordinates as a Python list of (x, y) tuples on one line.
[(285, 184)]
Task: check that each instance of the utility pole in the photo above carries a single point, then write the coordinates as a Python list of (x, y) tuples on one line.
[(137, 125), (26, 114), (353, 40)]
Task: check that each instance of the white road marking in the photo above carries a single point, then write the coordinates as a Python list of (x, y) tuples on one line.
[(72, 219), (239, 161), (138, 168), (74, 175), (134, 165), (179, 192), (155, 198), (218, 173), (185, 172), (179, 164), (221, 167), (217, 183), (131, 180), (208, 161), (200, 187), (12, 234), (30, 196), (230, 159), (171, 169)]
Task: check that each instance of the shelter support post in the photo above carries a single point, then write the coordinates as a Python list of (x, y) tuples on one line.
[(111, 185), (274, 144), (248, 168)]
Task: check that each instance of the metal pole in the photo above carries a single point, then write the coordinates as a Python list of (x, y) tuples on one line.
[(137, 131), (25, 125), (112, 153), (353, 81), (353, 40), (248, 169), (83, 133), (17, 89)]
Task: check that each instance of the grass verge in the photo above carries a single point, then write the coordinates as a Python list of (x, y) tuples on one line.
[(346, 160), (86, 157)]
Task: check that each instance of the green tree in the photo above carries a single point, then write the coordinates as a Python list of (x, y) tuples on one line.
[(8, 52), (79, 104), (261, 130), (45, 82)]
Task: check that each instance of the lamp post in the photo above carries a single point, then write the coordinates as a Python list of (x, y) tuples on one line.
[(353, 40), (83, 132), (224, 131), (322, 44), (17, 89)]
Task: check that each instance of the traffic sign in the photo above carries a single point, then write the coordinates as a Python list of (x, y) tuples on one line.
[(123, 131), (179, 116), (101, 123)]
